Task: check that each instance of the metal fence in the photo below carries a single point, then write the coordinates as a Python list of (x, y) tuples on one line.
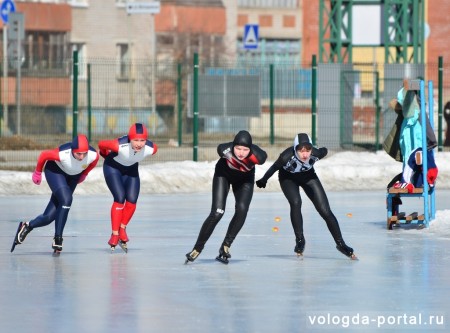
[(42, 109)]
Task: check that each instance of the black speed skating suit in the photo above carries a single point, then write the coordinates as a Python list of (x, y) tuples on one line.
[(240, 175)]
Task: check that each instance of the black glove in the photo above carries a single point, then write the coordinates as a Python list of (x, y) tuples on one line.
[(261, 183)]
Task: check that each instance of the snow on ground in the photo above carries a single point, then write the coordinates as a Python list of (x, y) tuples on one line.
[(339, 172), (345, 171)]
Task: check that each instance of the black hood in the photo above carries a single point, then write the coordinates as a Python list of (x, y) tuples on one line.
[(302, 139), (243, 138)]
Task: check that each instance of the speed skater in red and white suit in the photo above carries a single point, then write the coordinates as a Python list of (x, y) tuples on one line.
[(65, 167), (122, 157)]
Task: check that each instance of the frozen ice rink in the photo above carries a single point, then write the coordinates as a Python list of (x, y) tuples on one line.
[(401, 282)]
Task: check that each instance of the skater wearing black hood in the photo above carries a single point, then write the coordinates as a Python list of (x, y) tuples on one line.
[(235, 168), (296, 169)]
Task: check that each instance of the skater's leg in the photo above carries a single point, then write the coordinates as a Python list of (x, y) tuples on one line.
[(132, 189), (316, 193), (56, 179), (128, 212), (64, 197), (220, 189), (62, 186), (243, 195), (115, 182), (42, 220), (63, 192), (116, 216), (291, 191), (48, 216), (314, 190)]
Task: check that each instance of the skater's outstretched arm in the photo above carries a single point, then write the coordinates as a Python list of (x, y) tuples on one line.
[(46, 155), (261, 183), (107, 146), (319, 152), (282, 159)]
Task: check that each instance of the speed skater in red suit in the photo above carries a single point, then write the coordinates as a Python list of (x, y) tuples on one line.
[(121, 172), (65, 167)]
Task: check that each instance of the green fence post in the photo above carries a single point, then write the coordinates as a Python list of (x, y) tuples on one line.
[(195, 106), (377, 111), (75, 94), (313, 99), (440, 111), (180, 106), (89, 106), (1, 115), (272, 109)]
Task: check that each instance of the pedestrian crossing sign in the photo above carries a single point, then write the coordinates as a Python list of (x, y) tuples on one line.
[(251, 35)]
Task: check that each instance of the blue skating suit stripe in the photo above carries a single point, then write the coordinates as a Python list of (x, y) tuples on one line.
[(65, 146), (123, 139)]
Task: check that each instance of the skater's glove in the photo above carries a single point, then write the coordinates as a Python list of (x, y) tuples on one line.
[(104, 152), (37, 177), (261, 183), (82, 178), (432, 175)]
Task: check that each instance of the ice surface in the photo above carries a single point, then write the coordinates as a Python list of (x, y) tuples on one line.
[(401, 277)]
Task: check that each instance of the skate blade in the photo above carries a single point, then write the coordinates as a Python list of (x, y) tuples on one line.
[(13, 246), (123, 246), (113, 249), (15, 242), (353, 257), (299, 255), (222, 260), (56, 253)]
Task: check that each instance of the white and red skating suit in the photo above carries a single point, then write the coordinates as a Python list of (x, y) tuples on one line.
[(63, 172), (121, 151), (64, 159), (121, 171)]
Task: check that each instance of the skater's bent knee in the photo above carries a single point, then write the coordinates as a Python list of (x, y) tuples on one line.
[(218, 211), (216, 215)]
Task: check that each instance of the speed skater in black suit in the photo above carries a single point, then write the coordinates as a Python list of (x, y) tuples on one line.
[(295, 167), (235, 168)]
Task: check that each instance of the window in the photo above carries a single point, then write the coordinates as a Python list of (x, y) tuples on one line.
[(271, 51), (123, 54), (45, 51), (165, 40), (79, 3), (268, 4), (265, 20), (289, 21), (242, 20)]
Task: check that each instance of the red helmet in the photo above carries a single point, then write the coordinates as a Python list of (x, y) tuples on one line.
[(137, 131), (80, 144)]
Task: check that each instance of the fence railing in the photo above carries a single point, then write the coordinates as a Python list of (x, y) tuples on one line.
[(273, 102)]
